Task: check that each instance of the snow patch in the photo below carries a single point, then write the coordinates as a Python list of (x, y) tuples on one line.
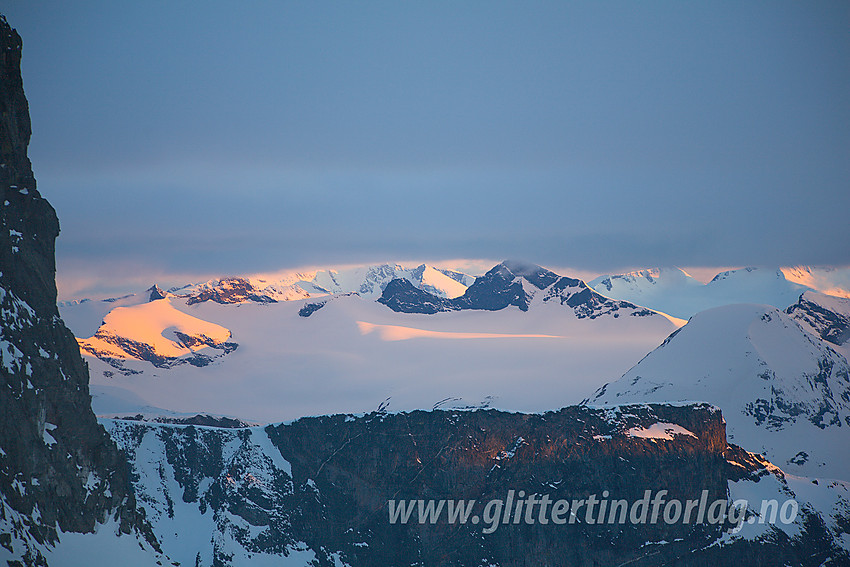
[(659, 430)]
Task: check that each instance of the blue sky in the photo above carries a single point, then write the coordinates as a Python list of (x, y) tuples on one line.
[(236, 137)]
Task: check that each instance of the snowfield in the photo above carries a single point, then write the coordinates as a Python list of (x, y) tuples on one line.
[(346, 357)]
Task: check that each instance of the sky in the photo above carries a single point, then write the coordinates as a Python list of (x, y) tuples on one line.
[(177, 139)]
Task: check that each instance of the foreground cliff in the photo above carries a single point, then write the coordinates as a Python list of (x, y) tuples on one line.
[(320, 491), (59, 470)]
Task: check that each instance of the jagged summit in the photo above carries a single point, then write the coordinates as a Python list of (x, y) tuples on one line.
[(155, 292)]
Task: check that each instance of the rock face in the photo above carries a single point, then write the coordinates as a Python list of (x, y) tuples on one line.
[(58, 467), (316, 491)]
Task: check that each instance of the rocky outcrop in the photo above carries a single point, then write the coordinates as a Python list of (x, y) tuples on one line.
[(823, 315), (230, 290), (59, 470)]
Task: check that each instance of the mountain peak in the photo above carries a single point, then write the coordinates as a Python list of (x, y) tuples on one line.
[(539, 276), (155, 292)]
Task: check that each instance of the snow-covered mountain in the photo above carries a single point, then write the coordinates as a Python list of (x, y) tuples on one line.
[(829, 280), (85, 316), (783, 391), (368, 281), (670, 290), (240, 290), (158, 333), (675, 292)]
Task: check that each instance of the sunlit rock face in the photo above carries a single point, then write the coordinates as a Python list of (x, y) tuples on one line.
[(59, 470)]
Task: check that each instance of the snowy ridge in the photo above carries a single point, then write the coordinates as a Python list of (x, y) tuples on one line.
[(674, 291), (240, 290), (369, 281), (833, 281)]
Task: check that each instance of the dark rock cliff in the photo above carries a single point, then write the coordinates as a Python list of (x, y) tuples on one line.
[(58, 467)]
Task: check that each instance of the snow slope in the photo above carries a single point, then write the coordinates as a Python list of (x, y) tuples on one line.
[(187, 500), (85, 316), (783, 391), (828, 280), (105, 546)]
